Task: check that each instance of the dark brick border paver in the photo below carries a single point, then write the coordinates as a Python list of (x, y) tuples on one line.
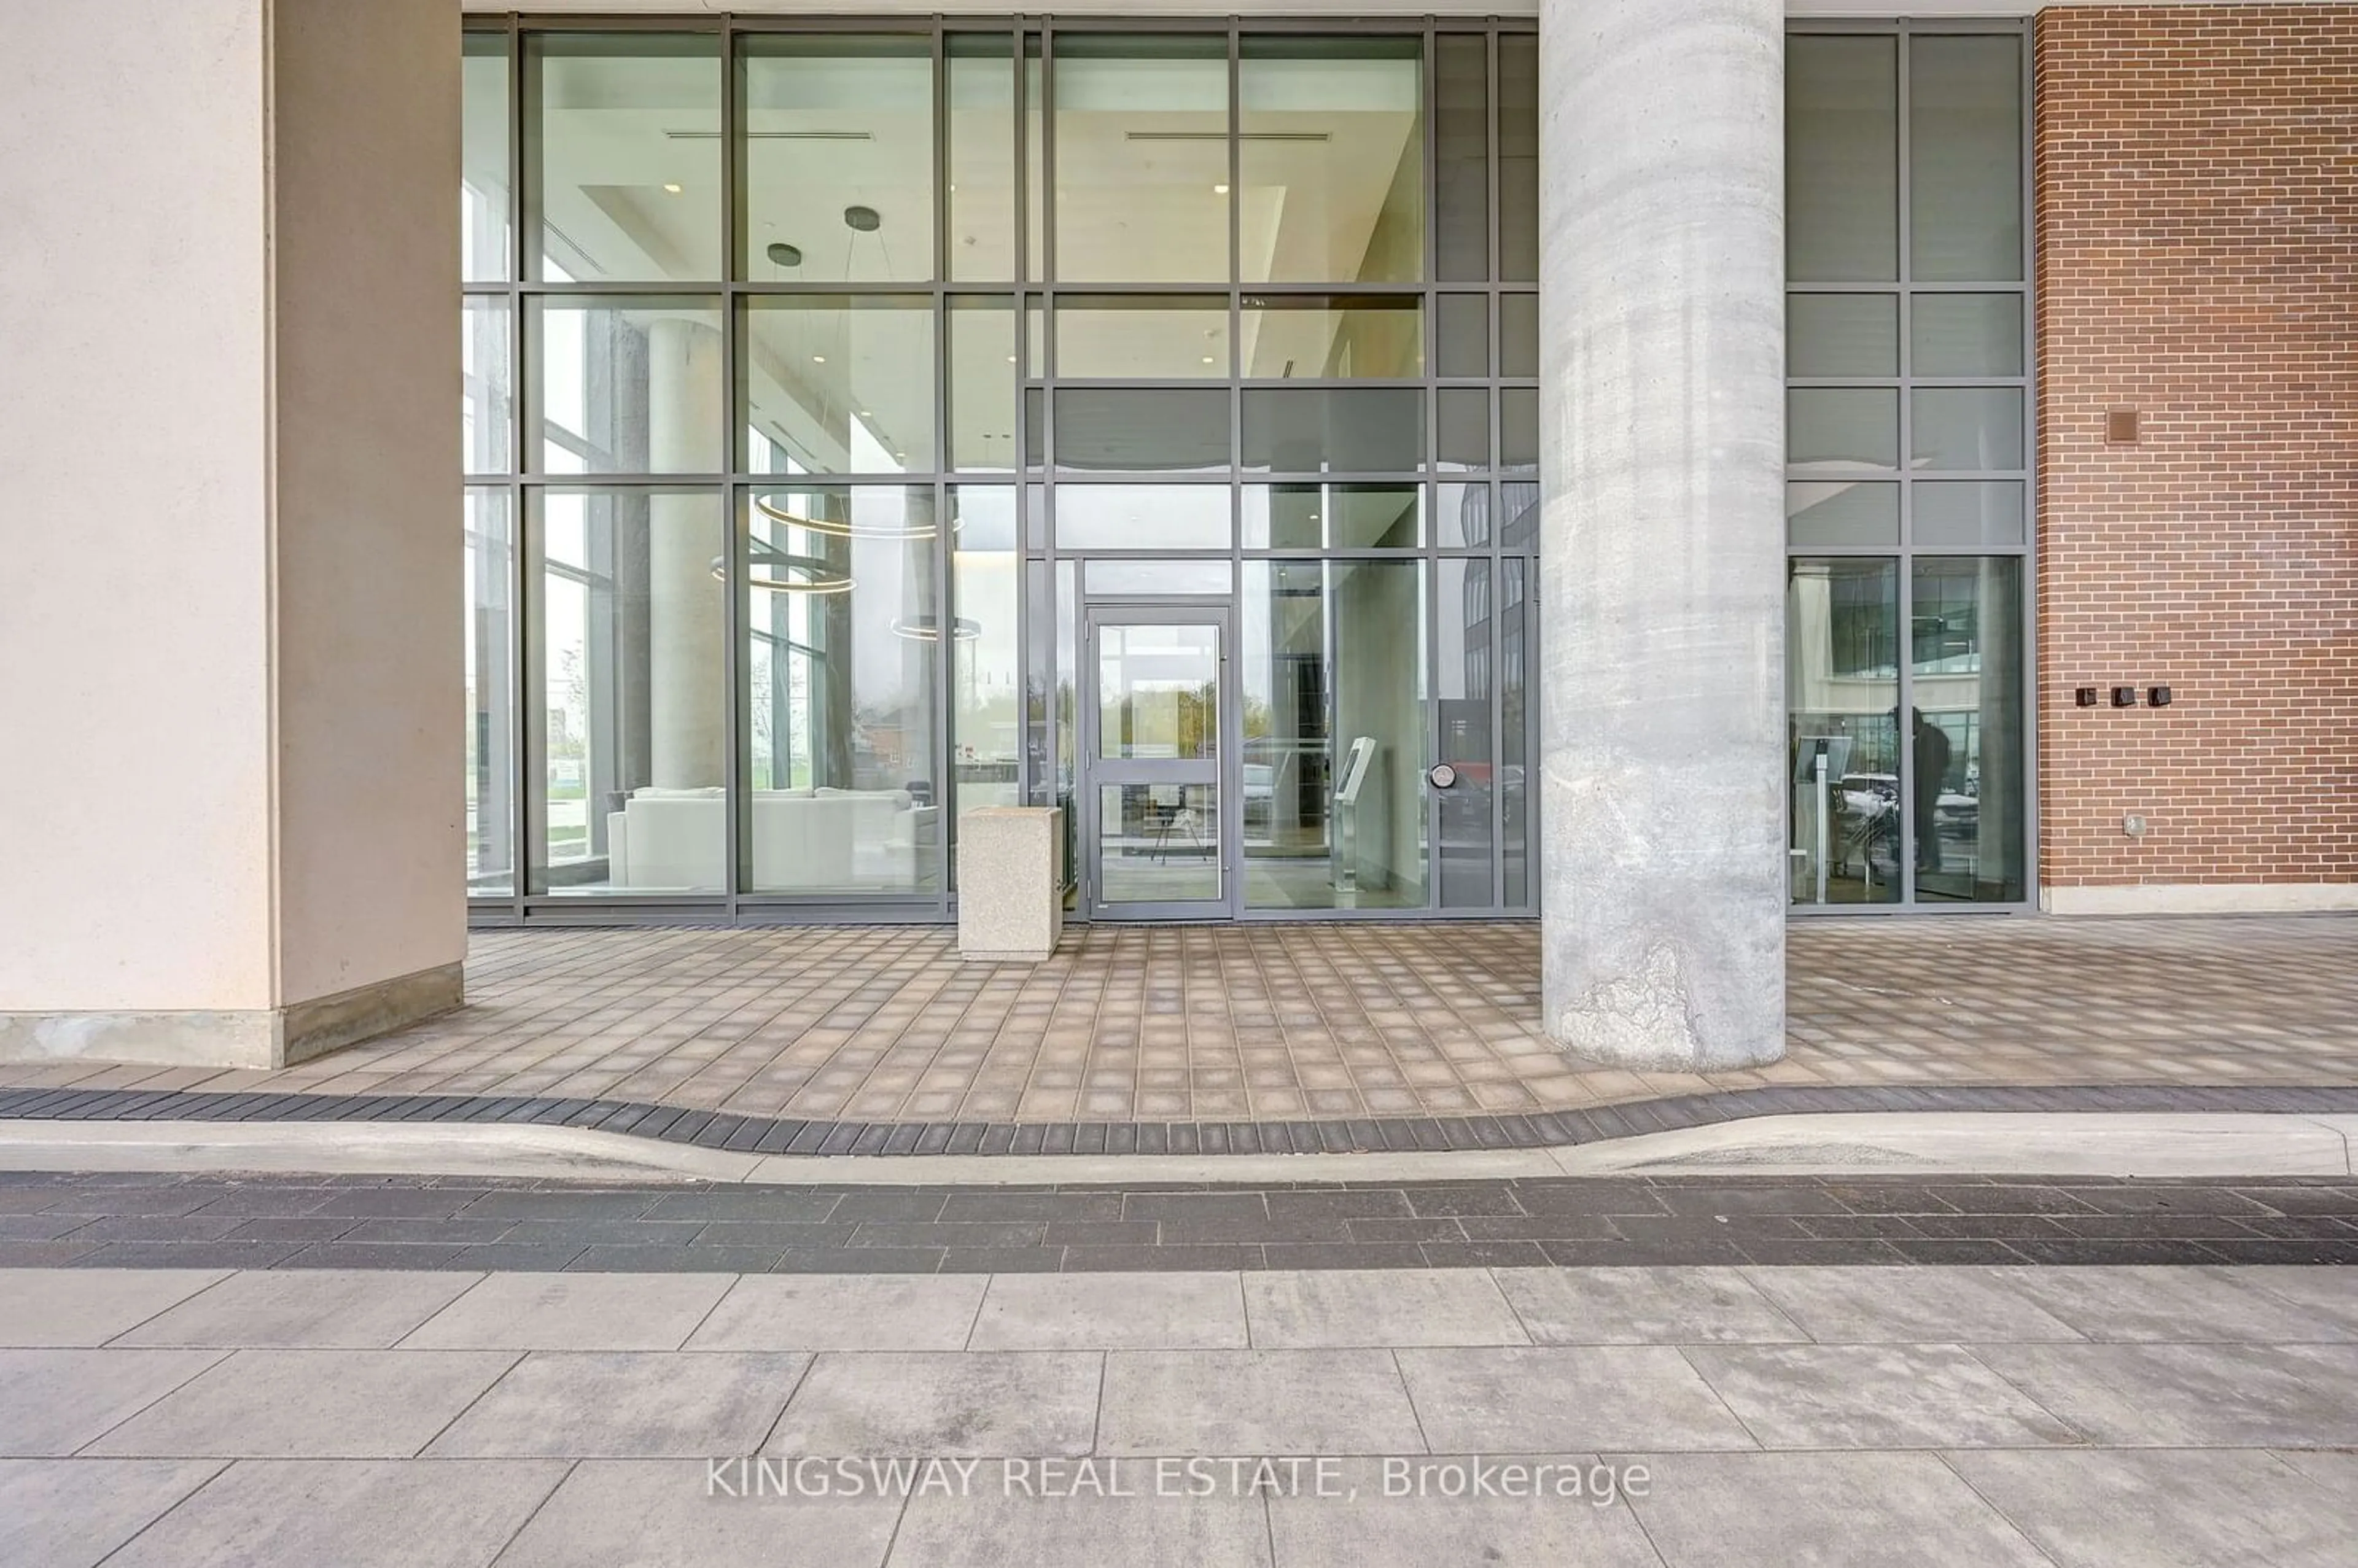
[(774, 1135), (446, 1222)]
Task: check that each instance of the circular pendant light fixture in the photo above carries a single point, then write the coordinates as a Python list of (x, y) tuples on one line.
[(836, 528), (776, 570), (925, 629)]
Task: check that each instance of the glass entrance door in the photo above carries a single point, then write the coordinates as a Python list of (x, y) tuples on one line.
[(1157, 834)]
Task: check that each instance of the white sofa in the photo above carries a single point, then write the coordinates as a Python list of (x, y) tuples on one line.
[(819, 840)]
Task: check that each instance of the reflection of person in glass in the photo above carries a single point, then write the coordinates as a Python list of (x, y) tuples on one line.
[(1931, 776)]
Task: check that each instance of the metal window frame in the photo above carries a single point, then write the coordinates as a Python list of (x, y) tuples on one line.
[(1036, 285), (1906, 552)]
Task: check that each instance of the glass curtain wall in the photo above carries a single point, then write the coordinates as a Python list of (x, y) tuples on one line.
[(814, 376), (1909, 479)]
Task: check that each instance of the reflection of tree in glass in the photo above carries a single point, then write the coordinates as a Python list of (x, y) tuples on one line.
[(1170, 721), (570, 736)]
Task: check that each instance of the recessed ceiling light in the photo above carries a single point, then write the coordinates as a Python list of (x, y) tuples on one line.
[(1010, 359), (670, 189), (1219, 191), (864, 414), (1207, 359), (818, 359)]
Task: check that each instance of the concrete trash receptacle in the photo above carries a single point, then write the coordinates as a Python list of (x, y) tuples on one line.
[(1011, 884)]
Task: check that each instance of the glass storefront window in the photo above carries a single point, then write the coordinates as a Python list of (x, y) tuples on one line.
[(1968, 427), (1964, 167), (625, 640), (622, 144), (626, 384), (1518, 335), (983, 377), (980, 141), (491, 693), (1519, 429), (1842, 158), (844, 622), (1461, 437), (487, 404), (483, 178), (839, 157), (839, 383), (1826, 513), (1462, 516), (1142, 429), (1966, 674), (1909, 765), (1844, 334), (1515, 793), (1518, 158), (1967, 334), (1142, 129), (1461, 141), (1842, 685), (1466, 673), (1143, 337), (986, 674), (1462, 335), (1143, 517), (1333, 517), (1333, 793), (1360, 429), (823, 386), (1330, 152), (1317, 337), (1841, 427), (1970, 512)]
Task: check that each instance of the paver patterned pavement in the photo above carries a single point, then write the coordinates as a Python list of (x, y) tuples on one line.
[(1311, 1022)]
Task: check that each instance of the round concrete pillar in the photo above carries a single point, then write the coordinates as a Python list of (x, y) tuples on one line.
[(686, 610), (1662, 430)]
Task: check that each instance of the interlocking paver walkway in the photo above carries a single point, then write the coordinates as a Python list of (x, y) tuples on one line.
[(1279, 1023)]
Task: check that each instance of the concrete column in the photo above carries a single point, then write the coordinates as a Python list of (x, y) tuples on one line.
[(1661, 268), (230, 637), (687, 690)]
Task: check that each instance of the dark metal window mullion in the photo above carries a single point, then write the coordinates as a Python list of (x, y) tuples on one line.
[(735, 619), (1904, 714), (945, 600), (1026, 786), (1048, 309), (1228, 799), (520, 706)]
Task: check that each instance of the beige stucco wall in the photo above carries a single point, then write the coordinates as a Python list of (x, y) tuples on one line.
[(135, 708), (370, 591), (230, 719)]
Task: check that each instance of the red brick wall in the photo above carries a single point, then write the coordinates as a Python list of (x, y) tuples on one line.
[(2196, 178)]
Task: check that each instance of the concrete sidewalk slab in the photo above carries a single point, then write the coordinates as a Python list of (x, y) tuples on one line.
[(1179, 1311), (307, 1404), (70, 1513), (1881, 1510), (2183, 1506), (659, 1514), (39, 1307), (437, 1514)]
